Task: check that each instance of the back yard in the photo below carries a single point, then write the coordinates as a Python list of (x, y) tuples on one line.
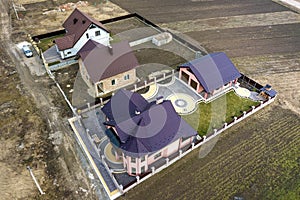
[(209, 116)]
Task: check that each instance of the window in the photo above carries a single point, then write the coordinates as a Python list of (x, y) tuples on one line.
[(113, 82), (157, 155), (97, 33), (184, 139), (143, 169), (126, 77), (143, 159), (92, 26), (75, 20), (133, 160), (87, 35), (133, 170)]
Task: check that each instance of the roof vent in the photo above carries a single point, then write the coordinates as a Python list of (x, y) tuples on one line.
[(137, 112), (83, 21), (159, 99), (75, 20)]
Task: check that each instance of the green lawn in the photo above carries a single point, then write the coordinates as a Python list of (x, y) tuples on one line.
[(48, 42), (213, 115)]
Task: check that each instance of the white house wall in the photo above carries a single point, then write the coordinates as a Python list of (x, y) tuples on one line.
[(103, 38)]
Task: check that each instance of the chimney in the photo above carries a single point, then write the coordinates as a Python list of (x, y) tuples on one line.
[(159, 99), (110, 49)]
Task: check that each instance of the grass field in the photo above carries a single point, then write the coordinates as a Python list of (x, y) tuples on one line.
[(258, 158), (48, 42), (209, 116), (245, 162)]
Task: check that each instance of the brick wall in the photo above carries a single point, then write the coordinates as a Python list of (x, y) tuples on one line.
[(119, 81)]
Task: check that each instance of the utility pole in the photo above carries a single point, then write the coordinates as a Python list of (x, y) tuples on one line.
[(13, 4), (35, 181)]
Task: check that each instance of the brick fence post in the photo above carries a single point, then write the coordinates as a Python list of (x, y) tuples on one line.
[(225, 124), (153, 170), (121, 188)]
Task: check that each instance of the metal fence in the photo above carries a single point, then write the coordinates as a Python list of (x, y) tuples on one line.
[(62, 65)]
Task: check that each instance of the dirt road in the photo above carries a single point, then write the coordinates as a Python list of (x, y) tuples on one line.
[(33, 132)]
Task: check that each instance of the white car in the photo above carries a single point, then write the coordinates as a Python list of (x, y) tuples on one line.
[(28, 53)]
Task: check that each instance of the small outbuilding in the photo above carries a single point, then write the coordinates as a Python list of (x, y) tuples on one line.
[(267, 91), (209, 74), (162, 38)]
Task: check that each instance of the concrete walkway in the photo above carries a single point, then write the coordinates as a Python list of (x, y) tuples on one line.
[(51, 55), (245, 93), (151, 92), (182, 96)]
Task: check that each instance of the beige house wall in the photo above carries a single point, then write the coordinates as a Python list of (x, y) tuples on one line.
[(106, 84), (119, 81), (85, 76)]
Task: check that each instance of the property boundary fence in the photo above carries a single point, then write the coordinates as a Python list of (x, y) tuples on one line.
[(250, 82), (132, 15), (123, 189), (197, 144), (138, 86), (147, 82), (62, 65)]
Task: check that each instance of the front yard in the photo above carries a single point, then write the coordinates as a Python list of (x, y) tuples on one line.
[(209, 116), (46, 43)]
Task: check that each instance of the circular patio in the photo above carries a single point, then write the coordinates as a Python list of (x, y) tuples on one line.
[(109, 153), (182, 103), (243, 92)]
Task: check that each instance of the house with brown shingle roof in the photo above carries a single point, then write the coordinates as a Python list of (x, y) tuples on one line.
[(107, 68), (80, 28)]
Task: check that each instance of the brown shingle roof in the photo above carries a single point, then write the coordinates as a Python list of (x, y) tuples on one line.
[(76, 24), (101, 62), (65, 42)]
